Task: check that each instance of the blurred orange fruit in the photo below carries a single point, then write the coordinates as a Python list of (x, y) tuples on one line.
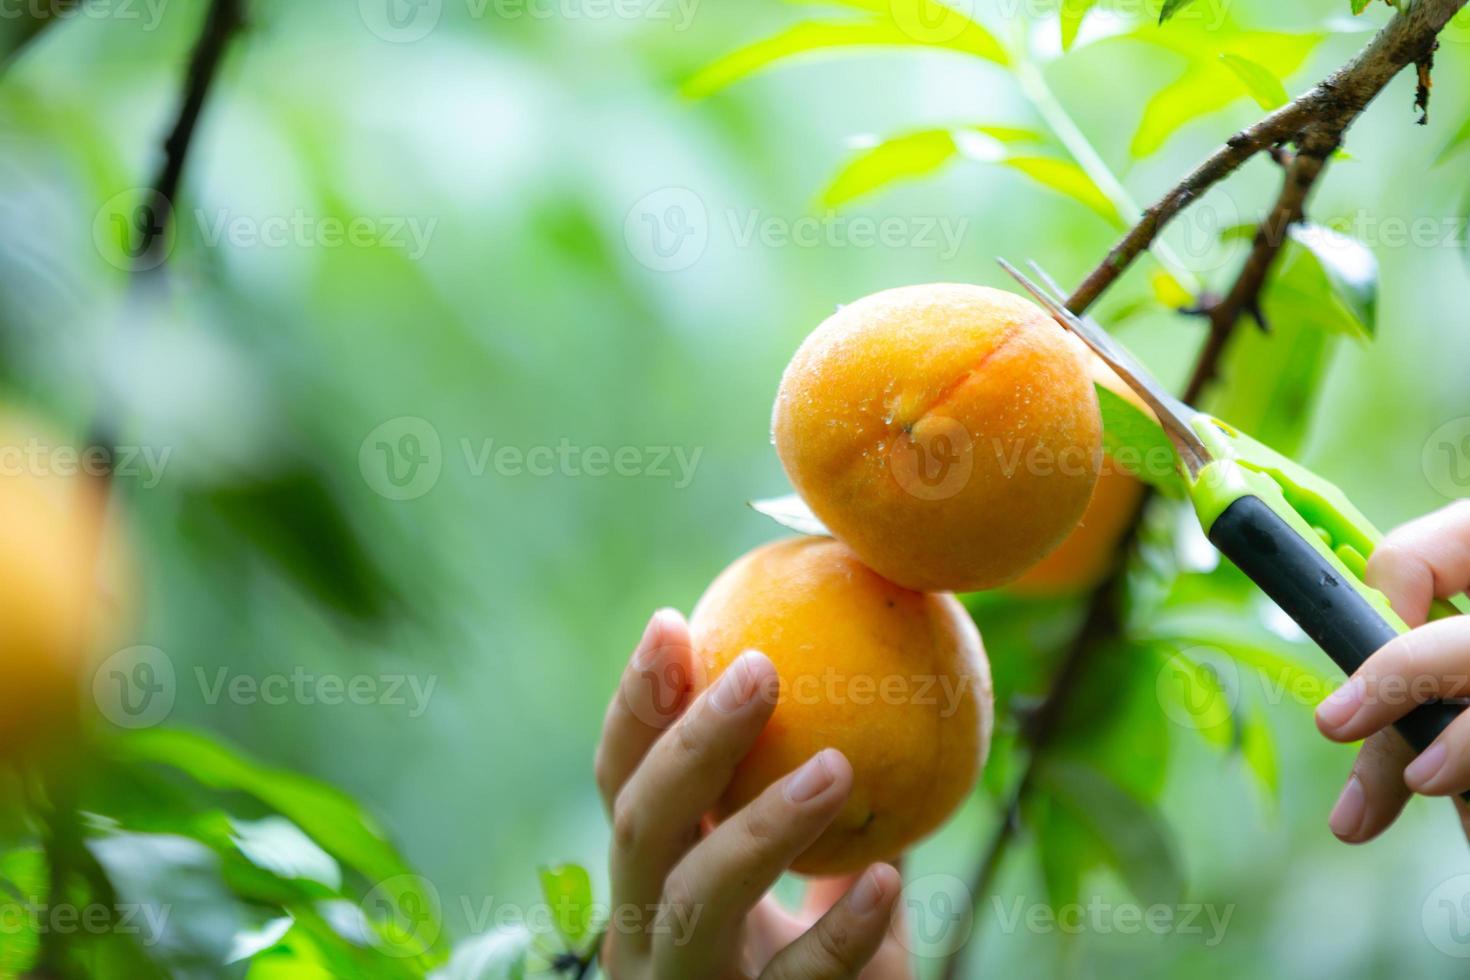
[(56, 550)]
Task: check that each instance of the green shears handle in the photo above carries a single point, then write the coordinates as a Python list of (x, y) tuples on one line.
[(1299, 538)]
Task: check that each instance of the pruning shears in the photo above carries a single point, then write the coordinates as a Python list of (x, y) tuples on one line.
[(1294, 534)]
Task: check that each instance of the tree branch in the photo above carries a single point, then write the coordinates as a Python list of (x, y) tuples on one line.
[(224, 19), (1305, 168), (1333, 105), (155, 213)]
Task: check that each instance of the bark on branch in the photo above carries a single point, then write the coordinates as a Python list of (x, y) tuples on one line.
[(1331, 106)]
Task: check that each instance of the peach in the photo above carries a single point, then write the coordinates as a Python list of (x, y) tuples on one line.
[(61, 583), (896, 680), (948, 433)]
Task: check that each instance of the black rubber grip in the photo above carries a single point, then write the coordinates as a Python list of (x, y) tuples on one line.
[(1309, 590)]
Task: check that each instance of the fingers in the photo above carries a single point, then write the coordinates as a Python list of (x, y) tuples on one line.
[(845, 939), (653, 691), (656, 815), (1433, 661), (1375, 793), (726, 873), (1425, 558), (1443, 769)]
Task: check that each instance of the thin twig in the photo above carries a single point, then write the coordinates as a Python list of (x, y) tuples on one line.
[(155, 212), (224, 19), (1407, 39), (1245, 295)]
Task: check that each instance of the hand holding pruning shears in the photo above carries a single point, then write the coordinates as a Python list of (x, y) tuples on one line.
[(1365, 600), (1425, 559)]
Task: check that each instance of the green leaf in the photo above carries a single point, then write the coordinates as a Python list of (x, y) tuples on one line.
[(1071, 15), (1258, 80), (1359, 6), (1207, 83), (1130, 833), (294, 517), (1168, 290), (792, 513), (1136, 443), (328, 815), (188, 917), (1328, 280), (1273, 378), (1459, 140), (1325, 285), (1114, 724), (1066, 847), (917, 154), (22, 881), (1258, 749), (1285, 678), (923, 152), (1069, 179), (1170, 8), (277, 845), (910, 23), (498, 955), (1351, 269), (913, 155), (1195, 696), (568, 891), (250, 943)]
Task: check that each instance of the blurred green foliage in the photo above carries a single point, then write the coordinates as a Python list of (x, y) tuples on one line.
[(431, 276)]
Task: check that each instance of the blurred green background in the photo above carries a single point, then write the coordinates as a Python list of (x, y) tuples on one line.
[(602, 263)]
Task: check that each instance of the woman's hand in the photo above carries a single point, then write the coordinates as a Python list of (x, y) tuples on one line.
[(1422, 560), (688, 898)]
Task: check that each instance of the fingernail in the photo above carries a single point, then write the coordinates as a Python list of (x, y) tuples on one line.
[(866, 893), (648, 646), (1341, 704), (1423, 769), (811, 779), (1347, 813), (737, 685)]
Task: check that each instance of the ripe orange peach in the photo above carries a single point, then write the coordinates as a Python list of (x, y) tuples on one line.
[(1084, 558), (896, 680), (948, 433), (56, 553)]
